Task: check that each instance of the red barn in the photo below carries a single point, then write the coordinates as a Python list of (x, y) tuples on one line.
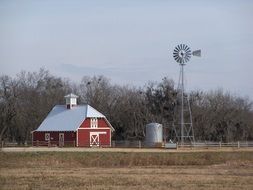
[(73, 125)]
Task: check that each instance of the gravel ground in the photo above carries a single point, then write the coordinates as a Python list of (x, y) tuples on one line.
[(57, 149)]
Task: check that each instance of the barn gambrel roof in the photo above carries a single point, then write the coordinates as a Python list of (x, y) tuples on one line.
[(62, 119)]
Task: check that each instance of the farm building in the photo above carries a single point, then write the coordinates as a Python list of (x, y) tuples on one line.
[(73, 125)]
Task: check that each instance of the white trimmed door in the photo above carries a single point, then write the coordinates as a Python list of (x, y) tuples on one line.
[(61, 139), (94, 138)]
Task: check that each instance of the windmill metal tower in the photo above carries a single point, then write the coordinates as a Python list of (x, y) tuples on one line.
[(182, 122)]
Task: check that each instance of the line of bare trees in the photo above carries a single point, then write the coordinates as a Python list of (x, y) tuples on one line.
[(26, 99)]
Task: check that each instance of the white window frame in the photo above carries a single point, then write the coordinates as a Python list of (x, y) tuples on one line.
[(94, 123), (47, 136)]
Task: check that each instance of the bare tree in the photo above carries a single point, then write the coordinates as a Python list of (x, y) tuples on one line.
[(8, 96), (26, 100)]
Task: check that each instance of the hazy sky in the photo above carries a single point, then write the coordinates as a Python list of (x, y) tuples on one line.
[(131, 41)]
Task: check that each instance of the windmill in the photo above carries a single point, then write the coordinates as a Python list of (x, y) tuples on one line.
[(182, 122)]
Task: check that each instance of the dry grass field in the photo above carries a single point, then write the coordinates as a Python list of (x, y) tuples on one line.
[(127, 170)]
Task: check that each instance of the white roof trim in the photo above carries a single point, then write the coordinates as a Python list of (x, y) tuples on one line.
[(109, 124)]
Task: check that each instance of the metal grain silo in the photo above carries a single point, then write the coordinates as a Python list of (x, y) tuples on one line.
[(154, 134)]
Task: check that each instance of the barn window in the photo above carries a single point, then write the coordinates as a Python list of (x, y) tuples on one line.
[(47, 136), (93, 123)]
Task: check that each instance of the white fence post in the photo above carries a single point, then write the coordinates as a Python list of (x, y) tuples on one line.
[(139, 144), (220, 144), (238, 144)]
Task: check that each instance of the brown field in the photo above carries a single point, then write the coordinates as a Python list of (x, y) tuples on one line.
[(127, 170)]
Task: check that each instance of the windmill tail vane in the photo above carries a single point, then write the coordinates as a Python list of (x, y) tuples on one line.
[(197, 53)]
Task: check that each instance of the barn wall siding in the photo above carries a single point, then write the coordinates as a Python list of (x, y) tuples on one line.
[(86, 123), (80, 138), (84, 137), (39, 137), (101, 123), (84, 133)]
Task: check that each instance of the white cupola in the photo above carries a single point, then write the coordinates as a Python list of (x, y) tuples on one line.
[(71, 100)]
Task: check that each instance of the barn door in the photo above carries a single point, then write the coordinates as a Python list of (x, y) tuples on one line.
[(94, 139), (61, 139)]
